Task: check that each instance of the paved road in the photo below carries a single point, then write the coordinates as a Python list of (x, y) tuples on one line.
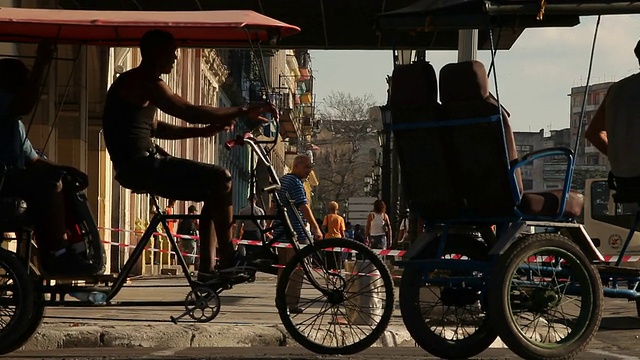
[(250, 306), (287, 353)]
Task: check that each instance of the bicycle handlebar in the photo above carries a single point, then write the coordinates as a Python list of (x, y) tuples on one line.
[(247, 138)]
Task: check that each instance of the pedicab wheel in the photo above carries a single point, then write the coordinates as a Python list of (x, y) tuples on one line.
[(16, 303), (448, 322), (32, 324), (545, 298), (345, 304)]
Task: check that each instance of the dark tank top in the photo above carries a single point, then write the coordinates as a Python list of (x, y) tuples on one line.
[(127, 129)]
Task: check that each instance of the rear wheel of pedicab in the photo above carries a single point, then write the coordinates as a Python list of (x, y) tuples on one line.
[(32, 324), (347, 303), (447, 322), (545, 298), (16, 302)]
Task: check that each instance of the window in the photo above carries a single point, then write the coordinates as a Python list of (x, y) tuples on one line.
[(601, 201), (524, 149), (527, 184)]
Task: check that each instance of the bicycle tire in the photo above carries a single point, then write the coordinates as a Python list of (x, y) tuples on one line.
[(19, 286), (526, 280), (31, 325), (472, 330), (348, 290)]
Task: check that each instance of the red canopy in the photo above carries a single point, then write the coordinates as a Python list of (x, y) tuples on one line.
[(125, 28)]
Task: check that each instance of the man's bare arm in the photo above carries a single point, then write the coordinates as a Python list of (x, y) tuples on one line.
[(171, 103), (163, 130), (597, 131), (308, 214)]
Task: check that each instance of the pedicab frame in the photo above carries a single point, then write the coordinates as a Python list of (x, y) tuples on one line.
[(190, 29), (504, 273)]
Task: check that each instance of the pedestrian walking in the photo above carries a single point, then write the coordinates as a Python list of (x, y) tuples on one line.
[(291, 185), (333, 225), (250, 229), (189, 246), (378, 230)]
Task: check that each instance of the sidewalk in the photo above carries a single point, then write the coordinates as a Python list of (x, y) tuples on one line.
[(247, 317)]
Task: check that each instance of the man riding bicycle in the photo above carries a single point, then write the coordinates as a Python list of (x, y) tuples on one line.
[(129, 125)]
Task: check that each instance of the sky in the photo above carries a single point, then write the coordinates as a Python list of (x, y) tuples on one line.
[(535, 76)]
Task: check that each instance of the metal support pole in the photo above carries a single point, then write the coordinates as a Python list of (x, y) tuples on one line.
[(467, 45), (394, 207), (386, 169)]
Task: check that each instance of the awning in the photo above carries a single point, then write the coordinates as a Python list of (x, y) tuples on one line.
[(125, 28), (441, 15), (452, 15)]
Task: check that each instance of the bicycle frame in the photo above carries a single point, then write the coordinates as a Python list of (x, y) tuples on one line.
[(161, 218)]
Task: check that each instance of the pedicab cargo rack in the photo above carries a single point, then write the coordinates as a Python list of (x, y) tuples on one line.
[(331, 295)]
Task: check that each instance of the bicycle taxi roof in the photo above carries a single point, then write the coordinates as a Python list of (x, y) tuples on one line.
[(441, 15), (125, 28)]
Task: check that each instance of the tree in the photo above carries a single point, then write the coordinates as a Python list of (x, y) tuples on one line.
[(348, 131)]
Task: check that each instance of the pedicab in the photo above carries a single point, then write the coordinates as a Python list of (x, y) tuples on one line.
[(330, 295), (475, 273)]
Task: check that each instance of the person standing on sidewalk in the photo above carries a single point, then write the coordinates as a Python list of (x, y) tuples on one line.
[(249, 229), (333, 225), (378, 229), (292, 185), (189, 227)]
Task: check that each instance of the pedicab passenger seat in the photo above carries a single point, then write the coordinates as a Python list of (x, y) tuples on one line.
[(465, 155), (414, 104)]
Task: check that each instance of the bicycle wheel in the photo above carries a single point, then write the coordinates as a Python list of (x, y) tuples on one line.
[(31, 325), (340, 309), (16, 302), (545, 297), (448, 322)]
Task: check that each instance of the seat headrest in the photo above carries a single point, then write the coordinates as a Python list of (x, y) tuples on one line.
[(463, 81)]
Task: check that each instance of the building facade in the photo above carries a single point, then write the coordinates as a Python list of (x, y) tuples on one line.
[(67, 124)]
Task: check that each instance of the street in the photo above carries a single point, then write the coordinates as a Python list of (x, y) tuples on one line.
[(241, 330)]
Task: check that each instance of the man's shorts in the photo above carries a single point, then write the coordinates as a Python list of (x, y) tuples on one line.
[(175, 178)]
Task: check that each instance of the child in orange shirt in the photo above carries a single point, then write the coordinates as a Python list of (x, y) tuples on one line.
[(333, 223)]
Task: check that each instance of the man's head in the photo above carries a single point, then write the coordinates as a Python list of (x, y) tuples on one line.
[(13, 75), (192, 209), (158, 48), (252, 199), (637, 51), (302, 166)]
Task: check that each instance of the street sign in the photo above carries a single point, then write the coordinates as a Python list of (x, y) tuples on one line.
[(359, 209)]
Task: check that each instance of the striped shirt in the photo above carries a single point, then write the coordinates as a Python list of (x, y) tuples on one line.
[(292, 185)]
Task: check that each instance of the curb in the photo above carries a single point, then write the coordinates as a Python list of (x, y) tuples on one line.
[(179, 336)]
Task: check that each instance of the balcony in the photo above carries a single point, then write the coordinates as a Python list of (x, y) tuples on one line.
[(289, 126)]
